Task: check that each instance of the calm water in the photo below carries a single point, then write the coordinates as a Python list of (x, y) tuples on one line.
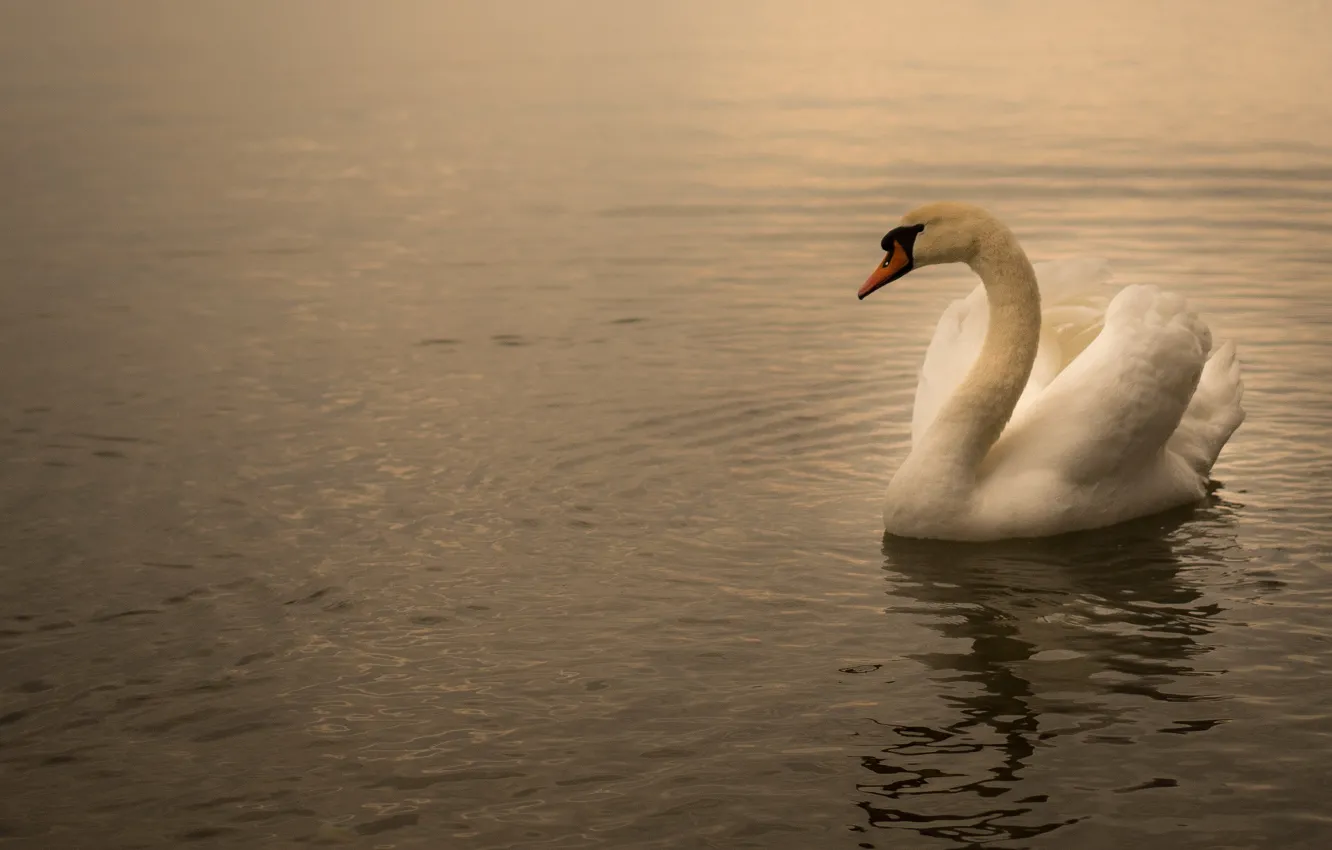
[(453, 426)]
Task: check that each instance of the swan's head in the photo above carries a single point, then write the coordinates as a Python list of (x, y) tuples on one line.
[(943, 232)]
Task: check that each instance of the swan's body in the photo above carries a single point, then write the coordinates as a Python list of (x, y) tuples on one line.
[(1049, 408)]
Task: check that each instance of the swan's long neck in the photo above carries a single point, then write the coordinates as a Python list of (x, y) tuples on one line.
[(974, 416)]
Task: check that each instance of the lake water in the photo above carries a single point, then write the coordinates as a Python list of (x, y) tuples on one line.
[(452, 425)]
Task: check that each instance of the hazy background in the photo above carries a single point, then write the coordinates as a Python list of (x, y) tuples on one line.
[(452, 425)]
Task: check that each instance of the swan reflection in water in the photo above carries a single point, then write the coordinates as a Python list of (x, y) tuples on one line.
[(1054, 645)]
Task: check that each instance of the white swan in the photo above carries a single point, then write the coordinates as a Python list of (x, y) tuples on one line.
[(1036, 419)]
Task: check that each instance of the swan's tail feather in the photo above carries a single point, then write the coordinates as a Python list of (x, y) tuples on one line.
[(1214, 412)]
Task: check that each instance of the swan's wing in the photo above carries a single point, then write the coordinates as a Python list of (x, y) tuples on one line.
[(1068, 280), (1071, 316), (1118, 402), (956, 342)]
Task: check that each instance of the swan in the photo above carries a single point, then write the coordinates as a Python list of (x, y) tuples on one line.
[(1050, 408)]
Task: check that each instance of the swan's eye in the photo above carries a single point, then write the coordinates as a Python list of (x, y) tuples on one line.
[(906, 235)]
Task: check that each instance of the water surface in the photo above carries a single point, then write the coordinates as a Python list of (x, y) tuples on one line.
[(452, 425)]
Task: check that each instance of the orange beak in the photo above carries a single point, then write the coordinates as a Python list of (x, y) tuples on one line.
[(896, 263)]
